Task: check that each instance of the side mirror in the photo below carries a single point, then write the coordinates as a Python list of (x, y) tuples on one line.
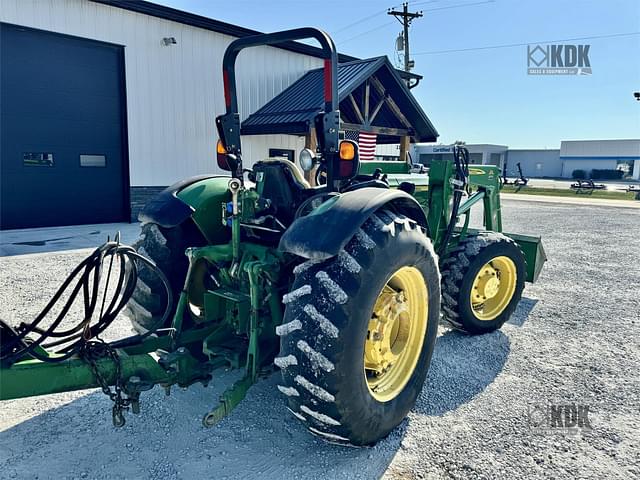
[(348, 160)]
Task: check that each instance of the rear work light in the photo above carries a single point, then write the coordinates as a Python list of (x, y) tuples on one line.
[(348, 159)]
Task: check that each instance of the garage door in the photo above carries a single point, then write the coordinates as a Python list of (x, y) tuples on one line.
[(62, 155)]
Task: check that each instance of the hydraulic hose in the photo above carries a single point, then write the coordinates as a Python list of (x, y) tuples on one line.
[(30, 339), (461, 160)]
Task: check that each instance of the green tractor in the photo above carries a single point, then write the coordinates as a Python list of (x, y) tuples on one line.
[(341, 286)]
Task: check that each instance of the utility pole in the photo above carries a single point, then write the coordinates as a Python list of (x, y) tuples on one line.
[(407, 17)]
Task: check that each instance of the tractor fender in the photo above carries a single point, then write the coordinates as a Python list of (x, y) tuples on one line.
[(322, 235), (166, 209)]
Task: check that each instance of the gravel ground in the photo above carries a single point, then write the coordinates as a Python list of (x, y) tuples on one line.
[(573, 339)]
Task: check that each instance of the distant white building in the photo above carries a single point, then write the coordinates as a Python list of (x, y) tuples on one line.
[(573, 155), (535, 162), (600, 154), (479, 154)]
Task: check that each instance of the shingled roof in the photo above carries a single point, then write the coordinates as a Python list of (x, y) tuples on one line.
[(293, 110)]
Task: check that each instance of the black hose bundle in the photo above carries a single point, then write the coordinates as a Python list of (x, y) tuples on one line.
[(28, 340), (460, 182)]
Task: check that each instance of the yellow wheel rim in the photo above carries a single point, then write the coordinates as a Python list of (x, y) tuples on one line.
[(493, 288), (396, 333)]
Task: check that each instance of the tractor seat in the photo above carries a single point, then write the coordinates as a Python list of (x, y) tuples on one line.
[(282, 183), (296, 172)]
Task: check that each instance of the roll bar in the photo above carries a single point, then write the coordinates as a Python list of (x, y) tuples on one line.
[(327, 123)]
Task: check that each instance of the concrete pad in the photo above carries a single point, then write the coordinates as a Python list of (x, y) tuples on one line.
[(611, 185), (598, 202), (55, 239)]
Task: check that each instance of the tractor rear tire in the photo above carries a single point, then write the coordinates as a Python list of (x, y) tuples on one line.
[(329, 327), (482, 282), (166, 247)]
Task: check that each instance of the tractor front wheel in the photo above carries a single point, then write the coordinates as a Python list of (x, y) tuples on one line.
[(482, 282), (359, 330)]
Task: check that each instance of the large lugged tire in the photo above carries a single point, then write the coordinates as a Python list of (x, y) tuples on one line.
[(166, 247), (373, 308), (482, 282)]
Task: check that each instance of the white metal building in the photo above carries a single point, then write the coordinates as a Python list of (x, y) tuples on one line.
[(572, 155), (588, 155), (479, 154), (534, 162), (106, 101)]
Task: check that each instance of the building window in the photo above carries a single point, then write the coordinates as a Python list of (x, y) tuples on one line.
[(93, 161), (494, 159), (626, 166), (282, 154), (37, 159), (475, 158)]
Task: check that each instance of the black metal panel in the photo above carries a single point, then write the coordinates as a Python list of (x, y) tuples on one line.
[(64, 97), (293, 110)]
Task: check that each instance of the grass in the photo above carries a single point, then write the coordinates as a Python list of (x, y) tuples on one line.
[(562, 192)]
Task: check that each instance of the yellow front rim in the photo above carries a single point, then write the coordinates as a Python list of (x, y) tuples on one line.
[(493, 288), (396, 333)]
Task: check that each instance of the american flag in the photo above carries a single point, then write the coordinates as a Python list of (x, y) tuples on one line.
[(366, 143)]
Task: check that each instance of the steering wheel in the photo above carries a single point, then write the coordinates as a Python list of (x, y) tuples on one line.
[(312, 203)]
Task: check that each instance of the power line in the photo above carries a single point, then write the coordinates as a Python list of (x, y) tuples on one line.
[(369, 17), (363, 19), (366, 31), (412, 4), (509, 45), (451, 6)]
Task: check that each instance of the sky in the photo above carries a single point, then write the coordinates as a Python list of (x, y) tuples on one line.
[(483, 95)]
